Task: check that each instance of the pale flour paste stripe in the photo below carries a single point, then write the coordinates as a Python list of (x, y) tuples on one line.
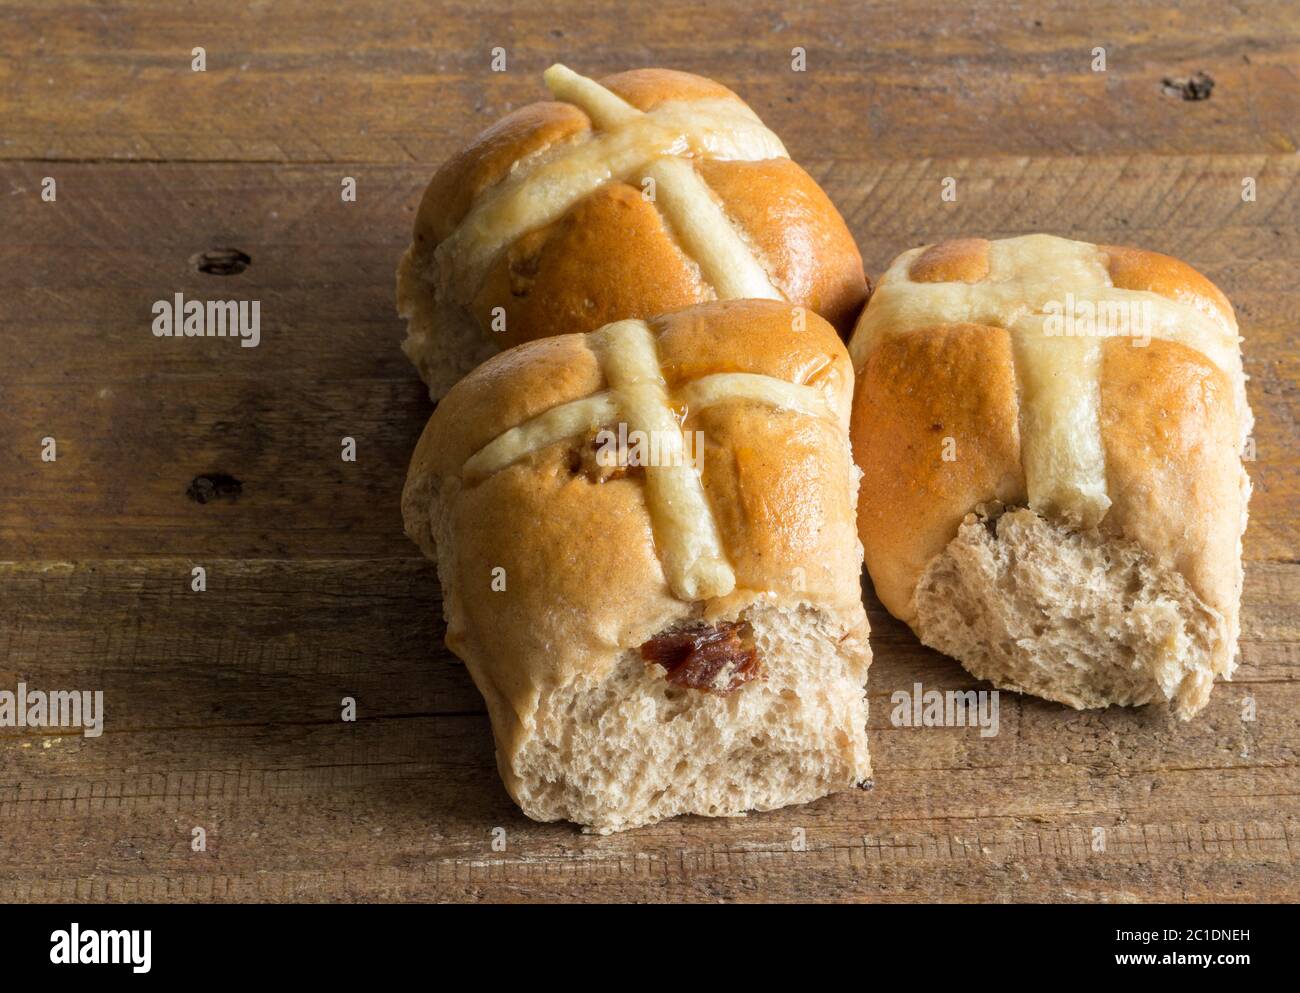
[(565, 421), (1060, 423), (1058, 377), (606, 109), (706, 234), (686, 534), (709, 390)]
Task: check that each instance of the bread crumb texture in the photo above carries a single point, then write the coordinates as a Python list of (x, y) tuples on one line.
[(633, 749), (1075, 616)]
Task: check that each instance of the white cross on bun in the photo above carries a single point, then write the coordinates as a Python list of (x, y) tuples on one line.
[(1050, 434), (665, 638), (650, 190)]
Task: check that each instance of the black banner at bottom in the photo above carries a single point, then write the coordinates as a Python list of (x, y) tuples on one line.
[(336, 943)]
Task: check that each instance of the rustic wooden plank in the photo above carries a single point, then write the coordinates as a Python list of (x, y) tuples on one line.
[(234, 727), (137, 417), (298, 81), (1009, 859), (129, 454)]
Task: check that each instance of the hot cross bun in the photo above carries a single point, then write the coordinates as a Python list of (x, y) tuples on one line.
[(1051, 435), (649, 190), (646, 541)]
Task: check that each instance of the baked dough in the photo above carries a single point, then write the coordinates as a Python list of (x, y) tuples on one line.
[(1059, 505), (648, 190), (556, 573)]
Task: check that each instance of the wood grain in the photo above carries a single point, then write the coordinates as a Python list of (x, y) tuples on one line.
[(223, 707), (301, 81)]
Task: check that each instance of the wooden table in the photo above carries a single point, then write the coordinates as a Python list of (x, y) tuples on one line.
[(223, 707)]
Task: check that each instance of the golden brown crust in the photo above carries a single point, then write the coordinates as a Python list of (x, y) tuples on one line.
[(808, 252), (1170, 437), (766, 339), (610, 255), (577, 274), (486, 161), (646, 89), (934, 430), (583, 577), (776, 481), (1137, 269), (964, 260), (506, 390)]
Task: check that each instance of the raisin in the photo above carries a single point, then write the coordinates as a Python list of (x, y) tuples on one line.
[(719, 658), (584, 460)]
